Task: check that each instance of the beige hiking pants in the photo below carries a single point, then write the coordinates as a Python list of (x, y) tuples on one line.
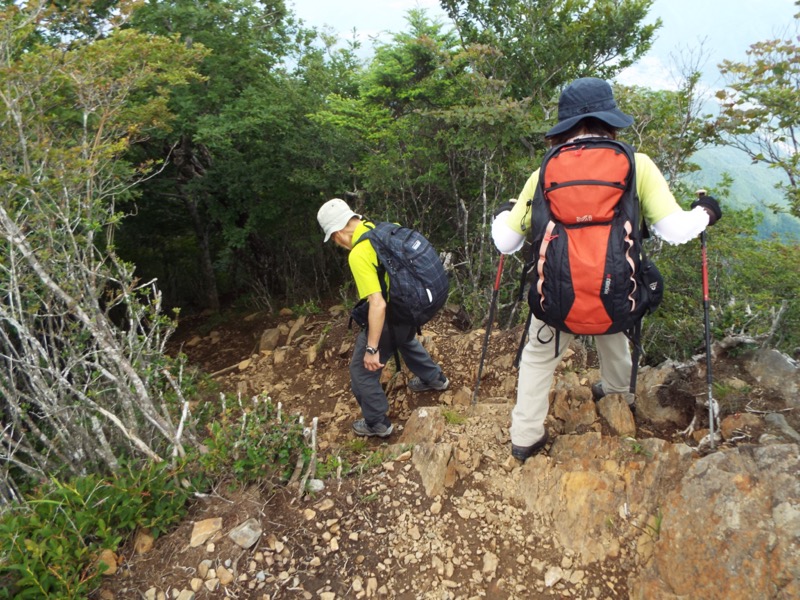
[(537, 366)]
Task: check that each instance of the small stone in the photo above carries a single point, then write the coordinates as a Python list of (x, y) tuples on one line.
[(196, 583), (315, 486), (326, 504), (372, 586), (203, 530), (246, 534), (224, 575), (203, 568), (109, 559), (436, 508), (553, 576), (211, 584), (143, 542)]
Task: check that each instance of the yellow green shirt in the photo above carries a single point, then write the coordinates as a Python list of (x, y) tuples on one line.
[(655, 198), (363, 261)]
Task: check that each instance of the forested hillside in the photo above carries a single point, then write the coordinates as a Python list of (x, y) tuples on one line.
[(164, 161), (751, 185)]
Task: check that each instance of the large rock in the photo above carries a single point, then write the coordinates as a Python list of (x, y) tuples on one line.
[(656, 398), (616, 411), (424, 426), (590, 490), (436, 467), (776, 371), (731, 529), (269, 340)]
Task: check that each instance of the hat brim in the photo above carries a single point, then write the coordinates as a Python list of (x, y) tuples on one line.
[(615, 118), (340, 224)]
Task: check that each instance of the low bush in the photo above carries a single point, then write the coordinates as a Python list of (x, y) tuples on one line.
[(50, 545)]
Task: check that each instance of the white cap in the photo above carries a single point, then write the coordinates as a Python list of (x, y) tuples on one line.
[(334, 216)]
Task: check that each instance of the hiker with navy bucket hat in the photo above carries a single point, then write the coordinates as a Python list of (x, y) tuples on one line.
[(587, 111)]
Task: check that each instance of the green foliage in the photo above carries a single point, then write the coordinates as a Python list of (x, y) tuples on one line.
[(751, 281), (759, 109), (452, 417), (50, 545), (549, 43), (668, 125), (73, 108), (637, 448), (752, 185), (309, 307), (334, 465), (252, 442), (357, 445)]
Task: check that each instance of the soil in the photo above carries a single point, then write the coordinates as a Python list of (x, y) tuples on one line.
[(226, 341)]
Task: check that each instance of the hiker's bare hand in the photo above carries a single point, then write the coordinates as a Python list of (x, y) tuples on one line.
[(372, 362)]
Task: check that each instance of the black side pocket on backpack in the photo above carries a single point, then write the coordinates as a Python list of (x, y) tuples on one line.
[(654, 284), (360, 314)]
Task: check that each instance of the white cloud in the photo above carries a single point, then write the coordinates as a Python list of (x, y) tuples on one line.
[(649, 72)]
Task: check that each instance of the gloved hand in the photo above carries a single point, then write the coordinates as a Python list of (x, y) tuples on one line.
[(711, 206), (505, 207)]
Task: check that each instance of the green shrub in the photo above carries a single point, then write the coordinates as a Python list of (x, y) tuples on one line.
[(252, 443), (49, 546)]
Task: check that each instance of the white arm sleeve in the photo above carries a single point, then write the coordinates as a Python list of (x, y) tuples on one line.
[(506, 239), (681, 226)]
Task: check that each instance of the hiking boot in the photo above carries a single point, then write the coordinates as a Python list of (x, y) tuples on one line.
[(440, 385), (522, 453), (360, 427)]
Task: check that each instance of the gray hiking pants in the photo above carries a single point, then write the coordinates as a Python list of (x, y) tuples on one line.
[(537, 366), (366, 385)]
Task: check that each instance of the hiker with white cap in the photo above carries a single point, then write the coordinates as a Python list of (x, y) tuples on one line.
[(379, 337), (586, 110)]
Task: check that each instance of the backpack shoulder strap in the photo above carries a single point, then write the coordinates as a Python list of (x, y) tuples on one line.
[(366, 235)]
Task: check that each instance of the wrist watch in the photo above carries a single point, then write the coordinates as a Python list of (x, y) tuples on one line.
[(371, 350)]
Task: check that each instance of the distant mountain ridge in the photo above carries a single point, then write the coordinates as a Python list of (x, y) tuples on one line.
[(753, 185)]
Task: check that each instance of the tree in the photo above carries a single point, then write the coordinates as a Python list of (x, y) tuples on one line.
[(760, 110), (81, 339), (547, 43), (442, 141), (669, 126), (246, 40)]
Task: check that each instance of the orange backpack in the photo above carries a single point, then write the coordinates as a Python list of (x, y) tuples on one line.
[(590, 273)]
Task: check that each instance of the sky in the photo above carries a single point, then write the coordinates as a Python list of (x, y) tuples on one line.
[(712, 29)]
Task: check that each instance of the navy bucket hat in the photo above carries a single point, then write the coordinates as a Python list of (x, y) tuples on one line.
[(588, 97)]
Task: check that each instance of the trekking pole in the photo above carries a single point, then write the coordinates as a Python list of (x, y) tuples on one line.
[(489, 326), (706, 302)]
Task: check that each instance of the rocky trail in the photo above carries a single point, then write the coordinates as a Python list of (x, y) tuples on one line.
[(616, 507)]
